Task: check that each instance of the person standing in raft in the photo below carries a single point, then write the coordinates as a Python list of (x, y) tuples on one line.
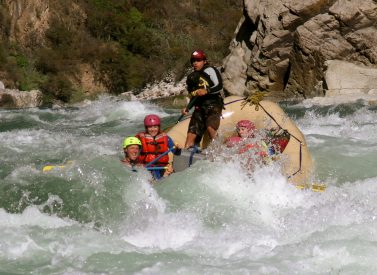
[(206, 98), (132, 149), (155, 147)]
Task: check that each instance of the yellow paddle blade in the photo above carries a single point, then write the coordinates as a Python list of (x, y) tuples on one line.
[(48, 168), (318, 187), (315, 187)]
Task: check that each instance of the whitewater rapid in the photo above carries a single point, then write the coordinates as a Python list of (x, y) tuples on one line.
[(96, 217)]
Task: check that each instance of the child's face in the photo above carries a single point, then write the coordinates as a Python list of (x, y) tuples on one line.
[(153, 130), (243, 132)]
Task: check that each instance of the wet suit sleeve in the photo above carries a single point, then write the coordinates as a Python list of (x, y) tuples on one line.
[(157, 174), (215, 77), (175, 151)]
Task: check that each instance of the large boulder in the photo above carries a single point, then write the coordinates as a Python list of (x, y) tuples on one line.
[(345, 78), (20, 99), (282, 46)]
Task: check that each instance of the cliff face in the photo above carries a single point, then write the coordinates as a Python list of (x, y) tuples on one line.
[(29, 20), (72, 49), (282, 46)]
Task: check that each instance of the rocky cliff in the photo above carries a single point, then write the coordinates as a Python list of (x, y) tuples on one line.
[(282, 46), (72, 50), (29, 20)]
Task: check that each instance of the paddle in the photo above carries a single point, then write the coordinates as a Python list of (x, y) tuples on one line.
[(48, 168), (160, 156), (316, 187), (188, 107), (157, 168)]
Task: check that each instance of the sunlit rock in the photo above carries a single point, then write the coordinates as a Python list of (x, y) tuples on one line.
[(282, 46), (345, 78), (20, 99)]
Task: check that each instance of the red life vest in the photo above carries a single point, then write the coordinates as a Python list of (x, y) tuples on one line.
[(260, 150), (279, 143), (152, 147)]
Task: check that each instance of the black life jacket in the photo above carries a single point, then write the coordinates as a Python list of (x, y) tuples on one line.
[(202, 80)]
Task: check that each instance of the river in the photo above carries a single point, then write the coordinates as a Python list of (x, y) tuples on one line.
[(94, 216)]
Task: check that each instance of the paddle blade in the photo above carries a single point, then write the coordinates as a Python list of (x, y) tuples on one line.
[(315, 187)]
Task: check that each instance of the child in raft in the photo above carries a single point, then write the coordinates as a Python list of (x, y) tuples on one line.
[(274, 143), (246, 131), (156, 145)]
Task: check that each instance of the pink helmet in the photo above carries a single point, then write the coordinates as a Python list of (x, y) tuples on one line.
[(198, 55), (246, 123), (152, 120)]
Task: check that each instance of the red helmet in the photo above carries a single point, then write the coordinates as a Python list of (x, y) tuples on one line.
[(198, 55), (152, 120), (246, 123)]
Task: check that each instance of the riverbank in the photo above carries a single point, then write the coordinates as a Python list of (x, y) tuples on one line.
[(343, 82)]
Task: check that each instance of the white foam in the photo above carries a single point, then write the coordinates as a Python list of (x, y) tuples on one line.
[(130, 111), (338, 99), (19, 247), (356, 126), (261, 195), (108, 109), (31, 216), (166, 231)]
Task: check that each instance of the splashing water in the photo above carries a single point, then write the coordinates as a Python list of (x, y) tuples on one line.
[(94, 216)]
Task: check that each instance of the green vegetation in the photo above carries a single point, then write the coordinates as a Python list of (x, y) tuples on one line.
[(128, 43)]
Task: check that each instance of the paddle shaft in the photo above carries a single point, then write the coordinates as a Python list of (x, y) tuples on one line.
[(156, 168), (188, 107), (160, 156)]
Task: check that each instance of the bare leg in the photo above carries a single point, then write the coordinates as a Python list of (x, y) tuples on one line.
[(212, 132), (190, 140)]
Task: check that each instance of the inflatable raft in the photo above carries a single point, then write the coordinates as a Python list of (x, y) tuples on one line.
[(265, 115)]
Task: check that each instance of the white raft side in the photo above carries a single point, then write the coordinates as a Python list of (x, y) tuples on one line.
[(298, 174)]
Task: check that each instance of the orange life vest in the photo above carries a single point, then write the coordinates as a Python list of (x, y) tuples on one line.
[(152, 147)]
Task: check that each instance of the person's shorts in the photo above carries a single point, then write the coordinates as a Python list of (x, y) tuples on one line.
[(203, 117)]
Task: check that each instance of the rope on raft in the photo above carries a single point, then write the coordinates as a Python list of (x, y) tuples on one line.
[(255, 99)]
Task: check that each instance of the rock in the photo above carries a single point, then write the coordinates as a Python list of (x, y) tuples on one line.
[(235, 67), (2, 87), (165, 88), (345, 78), (128, 96), (282, 46), (20, 99)]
